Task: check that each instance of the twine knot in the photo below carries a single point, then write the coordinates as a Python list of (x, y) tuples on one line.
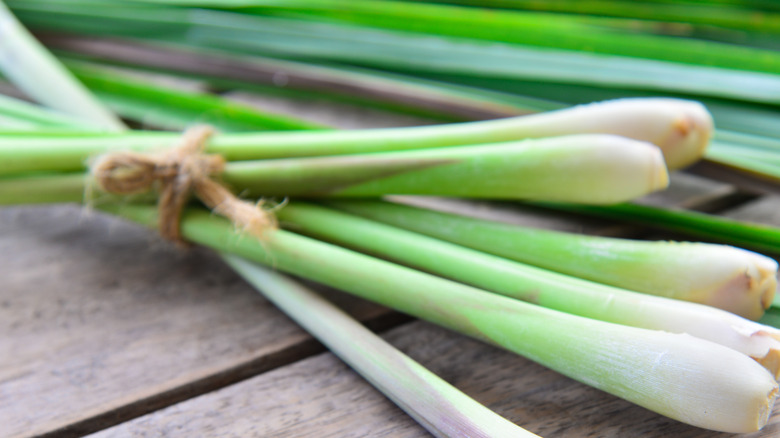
[(179, 172)]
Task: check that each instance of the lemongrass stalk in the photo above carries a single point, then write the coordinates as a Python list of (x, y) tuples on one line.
[(177, 109), (692, 14), (717, 228), (44, 189), (681, 127), (733, 279), (680, 376), (538, 286), (585, 169), (438, 406), (13, 123), (33, 116), (29, 65)]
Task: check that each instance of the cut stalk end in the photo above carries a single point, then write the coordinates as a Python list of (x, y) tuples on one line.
[(750, 290), (681, 128)]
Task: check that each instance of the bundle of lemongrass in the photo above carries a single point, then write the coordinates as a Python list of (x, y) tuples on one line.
[(675, 358)]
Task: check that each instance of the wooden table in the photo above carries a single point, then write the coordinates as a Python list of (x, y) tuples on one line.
[(106, 330)]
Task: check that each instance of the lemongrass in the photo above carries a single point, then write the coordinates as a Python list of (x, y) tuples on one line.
[(427, 98), (31, 116), (681, 127), (733, 279), (586, 169), (542, 287), (739, 16), (27, 63), (413, 388), (680, 376), (420, 30), (177, 109)]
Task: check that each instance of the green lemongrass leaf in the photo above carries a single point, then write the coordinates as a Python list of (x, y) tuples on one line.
[(30, 115), (732, 279), (739, 17), (38, 73), (439, 407), (539, 29), (385, 90), (716, 228), (43, 189), (581, 168), (683, 385), (395, 50), (177, 109), (405, 53)]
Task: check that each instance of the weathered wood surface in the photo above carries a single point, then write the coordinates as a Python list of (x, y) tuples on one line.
[(102, 323)]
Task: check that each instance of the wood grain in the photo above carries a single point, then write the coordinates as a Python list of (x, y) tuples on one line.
[(320, 397)]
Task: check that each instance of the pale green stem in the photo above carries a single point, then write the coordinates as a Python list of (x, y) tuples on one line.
[(33, 69), (33, 117), (438, 406), (681, 128), (546, 288), (733, 279), (594, 169)]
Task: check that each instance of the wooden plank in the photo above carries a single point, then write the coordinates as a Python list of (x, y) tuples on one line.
[(102, 322), (320, 397)]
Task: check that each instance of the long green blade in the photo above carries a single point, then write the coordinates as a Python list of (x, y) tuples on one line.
[(177, 109)]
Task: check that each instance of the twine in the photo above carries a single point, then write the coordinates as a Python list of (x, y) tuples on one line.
[(178, 173)]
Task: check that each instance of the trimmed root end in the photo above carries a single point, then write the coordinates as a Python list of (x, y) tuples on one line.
[(690, 133)]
